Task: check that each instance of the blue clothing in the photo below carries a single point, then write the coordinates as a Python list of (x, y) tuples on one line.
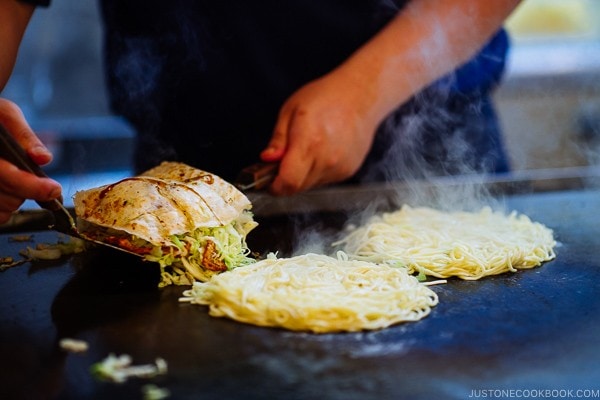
[(484, 71)]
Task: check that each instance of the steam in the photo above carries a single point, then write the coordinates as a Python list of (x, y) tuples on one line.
[(432, 153), (435, 137), (138, 69), (312, 241), (140, 73)]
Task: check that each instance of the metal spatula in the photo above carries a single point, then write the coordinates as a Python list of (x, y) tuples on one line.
[(64, 222)]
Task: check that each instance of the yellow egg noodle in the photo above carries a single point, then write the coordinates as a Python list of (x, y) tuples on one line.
[(317, 293), (469, 245)]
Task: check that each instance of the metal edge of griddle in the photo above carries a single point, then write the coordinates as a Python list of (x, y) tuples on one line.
[(342, 198)]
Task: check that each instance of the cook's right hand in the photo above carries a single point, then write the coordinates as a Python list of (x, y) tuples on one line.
[(16, 185)]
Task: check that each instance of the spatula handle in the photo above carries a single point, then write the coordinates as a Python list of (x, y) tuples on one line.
[(257, 176)]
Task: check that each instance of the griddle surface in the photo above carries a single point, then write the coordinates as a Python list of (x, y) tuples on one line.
[(536, 329)]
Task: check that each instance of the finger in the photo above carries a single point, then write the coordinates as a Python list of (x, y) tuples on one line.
[(291, 177), (24, 185), (323, 169), (278, 144), (294, 170), (15, 123)]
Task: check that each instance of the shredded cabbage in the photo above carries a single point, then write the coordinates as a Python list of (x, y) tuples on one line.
[(153, 392), (47, 251), (181, 260), (119, 368)]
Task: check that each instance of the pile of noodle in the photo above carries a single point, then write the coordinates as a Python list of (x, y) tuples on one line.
[(315, 293), (468, 245)]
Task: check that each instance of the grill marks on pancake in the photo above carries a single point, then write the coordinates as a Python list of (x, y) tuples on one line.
[(118, 205), (206, 178), (164, 189), (110, 187)]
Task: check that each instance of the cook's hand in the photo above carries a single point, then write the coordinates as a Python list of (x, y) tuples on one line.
[(16, 185), (323, 134)]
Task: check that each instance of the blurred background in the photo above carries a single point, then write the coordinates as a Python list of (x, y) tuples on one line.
[(549, 101)]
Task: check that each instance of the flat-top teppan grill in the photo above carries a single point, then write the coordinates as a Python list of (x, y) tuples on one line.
[(534, 329)]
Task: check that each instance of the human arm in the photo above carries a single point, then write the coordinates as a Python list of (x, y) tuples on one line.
[(17, 185), (325, 129), (14, 17)]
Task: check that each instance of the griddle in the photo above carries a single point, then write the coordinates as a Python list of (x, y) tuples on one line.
[(532, 330)]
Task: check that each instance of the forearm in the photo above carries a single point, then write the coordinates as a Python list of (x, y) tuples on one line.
[(14, 17), (426, 40)]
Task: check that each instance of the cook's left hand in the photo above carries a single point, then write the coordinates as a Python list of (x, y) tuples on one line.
[(323, 134)]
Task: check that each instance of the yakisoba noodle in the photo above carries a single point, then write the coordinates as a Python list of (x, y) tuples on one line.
[(315, 293), (441, 244)]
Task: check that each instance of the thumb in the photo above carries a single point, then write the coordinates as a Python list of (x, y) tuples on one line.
[(278, 144), (272, 153)]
